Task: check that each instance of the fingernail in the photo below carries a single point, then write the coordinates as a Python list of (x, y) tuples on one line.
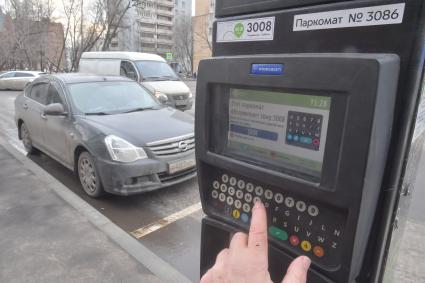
[(258, 204), (306, 262)]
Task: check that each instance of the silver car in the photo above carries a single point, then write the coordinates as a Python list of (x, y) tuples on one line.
[(17, 80), (110, 131)]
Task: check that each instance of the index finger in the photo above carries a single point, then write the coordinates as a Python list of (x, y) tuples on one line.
[(257, 238)]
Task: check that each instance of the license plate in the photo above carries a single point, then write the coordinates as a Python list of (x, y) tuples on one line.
[(181, 165)]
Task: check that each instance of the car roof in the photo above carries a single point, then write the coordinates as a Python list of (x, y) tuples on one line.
[(29, 72), (71, 78), (134, 56)]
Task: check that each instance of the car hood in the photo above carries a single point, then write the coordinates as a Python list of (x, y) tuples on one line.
[(140, 128), (167, 87)]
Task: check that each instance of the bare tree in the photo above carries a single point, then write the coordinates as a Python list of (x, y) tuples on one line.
[(7, 42), (202, 31), (116, 10), (84, 28), (183, 44), (31, 19)]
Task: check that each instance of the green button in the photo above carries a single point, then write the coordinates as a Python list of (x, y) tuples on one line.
[(278, 233)]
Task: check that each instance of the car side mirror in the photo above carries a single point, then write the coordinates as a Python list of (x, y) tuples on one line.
[(55, 109)]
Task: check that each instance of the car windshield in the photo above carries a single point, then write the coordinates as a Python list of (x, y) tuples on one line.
[(105, 98), (156, 71)]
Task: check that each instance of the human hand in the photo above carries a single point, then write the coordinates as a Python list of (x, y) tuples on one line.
[(246, 259)]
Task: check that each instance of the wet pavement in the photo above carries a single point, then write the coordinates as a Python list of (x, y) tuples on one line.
[(178, 243)]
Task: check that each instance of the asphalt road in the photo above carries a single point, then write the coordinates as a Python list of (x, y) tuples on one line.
[(178, 243)]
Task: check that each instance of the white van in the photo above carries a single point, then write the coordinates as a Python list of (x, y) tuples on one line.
[(152, 71)]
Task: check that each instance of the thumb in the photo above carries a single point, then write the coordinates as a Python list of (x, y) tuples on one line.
[(297, 271)]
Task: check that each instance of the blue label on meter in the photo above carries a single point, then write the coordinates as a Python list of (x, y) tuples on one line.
[(267, 69)]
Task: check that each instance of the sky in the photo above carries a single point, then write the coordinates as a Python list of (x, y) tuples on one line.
[(2, 2), (193, 7)]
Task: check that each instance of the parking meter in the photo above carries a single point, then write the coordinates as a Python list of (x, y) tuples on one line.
[(314, 110)]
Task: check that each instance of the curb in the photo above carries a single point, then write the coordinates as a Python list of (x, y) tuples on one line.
[(161, 269)]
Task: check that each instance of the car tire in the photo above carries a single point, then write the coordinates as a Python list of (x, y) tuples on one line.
[(88, 175), (26, 139)]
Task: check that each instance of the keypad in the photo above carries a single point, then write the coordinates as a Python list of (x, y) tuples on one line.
[(304, 130), (295, 223)]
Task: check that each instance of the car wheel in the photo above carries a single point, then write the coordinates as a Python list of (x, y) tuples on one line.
[(89, 178), (26, 139)]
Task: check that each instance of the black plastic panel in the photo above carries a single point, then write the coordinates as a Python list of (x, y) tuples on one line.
[(355, 155), (237, 7)]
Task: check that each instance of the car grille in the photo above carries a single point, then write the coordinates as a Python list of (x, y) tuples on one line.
[(180, 96), (173, 146), (165, 177)]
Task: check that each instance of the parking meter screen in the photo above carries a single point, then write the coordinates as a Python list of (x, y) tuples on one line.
[(283, 131)]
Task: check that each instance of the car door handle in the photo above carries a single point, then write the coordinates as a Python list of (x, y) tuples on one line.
[(25, 106), (43, 116)]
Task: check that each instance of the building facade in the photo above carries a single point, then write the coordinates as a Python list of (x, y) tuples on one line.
[(31, 45), (202, 24), (147, 28), (182, 9)]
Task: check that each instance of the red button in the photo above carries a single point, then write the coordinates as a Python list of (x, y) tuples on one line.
[(318, 251), (316, 142), (294, 240)]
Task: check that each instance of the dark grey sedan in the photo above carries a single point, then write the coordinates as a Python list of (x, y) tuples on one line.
[(111, 131)]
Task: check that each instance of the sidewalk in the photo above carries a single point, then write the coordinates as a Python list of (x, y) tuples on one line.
[(48, 234)]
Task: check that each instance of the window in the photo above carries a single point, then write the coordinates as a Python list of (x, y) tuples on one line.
[(7, 75), (146, 25), (166, 37), (147, 35), (164, 18), (127, 70), (165, 46), (148, 45), (39, 93), (155, 70), (23, 75), (53, 95), (146, 14), (164, 27)]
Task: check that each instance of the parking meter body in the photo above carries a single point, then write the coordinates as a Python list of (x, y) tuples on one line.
[(315, 108)]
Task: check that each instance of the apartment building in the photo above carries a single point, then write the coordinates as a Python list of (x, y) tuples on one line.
[(182, 9), (202, 24), (147, 28)]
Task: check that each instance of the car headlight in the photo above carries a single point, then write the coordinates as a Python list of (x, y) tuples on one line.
[(123, 151), (161, 96), (190, 94)]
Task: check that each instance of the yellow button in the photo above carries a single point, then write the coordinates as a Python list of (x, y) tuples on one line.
[(236, 214), (306, 246)]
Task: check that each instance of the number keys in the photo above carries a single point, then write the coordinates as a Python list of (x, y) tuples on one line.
[(259, 191), (241, 184), (278, 198), (231, 192), (268, 194), (239, 194)]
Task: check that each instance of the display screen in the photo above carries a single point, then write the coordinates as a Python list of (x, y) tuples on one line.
[(282, 130)]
